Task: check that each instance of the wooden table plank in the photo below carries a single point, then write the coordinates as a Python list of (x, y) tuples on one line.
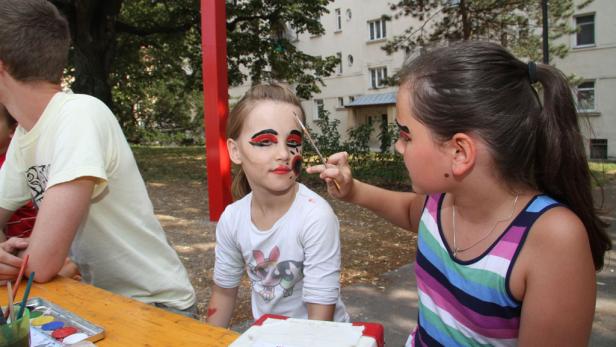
[(127, 322)]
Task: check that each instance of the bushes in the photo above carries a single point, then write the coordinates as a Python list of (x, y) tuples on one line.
[(385, 169)]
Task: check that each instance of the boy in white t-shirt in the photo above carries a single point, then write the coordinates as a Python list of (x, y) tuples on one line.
[(285, 236), (70, 157)]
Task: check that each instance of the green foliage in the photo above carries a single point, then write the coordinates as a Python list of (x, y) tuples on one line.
[(327, 137), (143, 57), (358, 140), (387, 135), (512, 23)]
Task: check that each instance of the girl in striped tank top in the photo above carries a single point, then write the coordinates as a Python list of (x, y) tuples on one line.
[(508, 235)]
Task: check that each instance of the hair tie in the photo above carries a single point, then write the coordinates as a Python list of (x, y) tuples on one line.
[(532, 72)]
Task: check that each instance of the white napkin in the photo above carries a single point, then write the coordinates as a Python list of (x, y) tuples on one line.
[(304, 333)]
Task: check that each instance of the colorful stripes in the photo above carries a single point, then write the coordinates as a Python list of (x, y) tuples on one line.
[(468, 303)]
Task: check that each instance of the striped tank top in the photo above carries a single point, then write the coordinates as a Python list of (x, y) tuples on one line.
[(468, 303)]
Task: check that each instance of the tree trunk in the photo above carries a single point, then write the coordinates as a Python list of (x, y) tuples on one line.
[(466, 25), (93, 32)]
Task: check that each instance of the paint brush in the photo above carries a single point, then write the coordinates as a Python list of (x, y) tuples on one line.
[(10, 304), (26, 294), (314, 145), (17, 282)]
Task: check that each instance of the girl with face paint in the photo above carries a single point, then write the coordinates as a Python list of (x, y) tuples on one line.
[(285, 236)]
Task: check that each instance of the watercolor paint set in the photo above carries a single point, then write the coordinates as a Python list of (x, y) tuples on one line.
[(52, 325)]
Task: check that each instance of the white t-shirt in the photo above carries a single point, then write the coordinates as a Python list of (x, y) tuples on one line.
[(120, 246), (296, 262)]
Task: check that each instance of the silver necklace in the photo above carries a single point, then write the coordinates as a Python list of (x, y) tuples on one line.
[(457, 250)]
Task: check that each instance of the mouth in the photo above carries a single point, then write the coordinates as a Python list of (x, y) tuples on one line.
[(281, 170)]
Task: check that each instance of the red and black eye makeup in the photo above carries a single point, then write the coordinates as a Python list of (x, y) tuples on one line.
[(264, 138), (405, 133), (294, 139)]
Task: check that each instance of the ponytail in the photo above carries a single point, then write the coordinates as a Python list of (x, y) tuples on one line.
[(240, 186), (481, 88), (561, 166)]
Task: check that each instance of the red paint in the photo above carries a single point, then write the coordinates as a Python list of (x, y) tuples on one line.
[(211, 311), (296, 164), (216, 105), (263, 139), (294, 139), (63, 332)]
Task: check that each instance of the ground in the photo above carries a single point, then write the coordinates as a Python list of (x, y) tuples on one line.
[(177, 187)]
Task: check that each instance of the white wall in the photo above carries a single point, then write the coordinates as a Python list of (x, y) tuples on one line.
[(597, 63)]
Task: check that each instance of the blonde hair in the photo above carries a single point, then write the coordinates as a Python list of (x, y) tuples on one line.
[(273, 91)]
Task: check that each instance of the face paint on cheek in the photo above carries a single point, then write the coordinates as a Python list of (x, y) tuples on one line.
[(297, 165)]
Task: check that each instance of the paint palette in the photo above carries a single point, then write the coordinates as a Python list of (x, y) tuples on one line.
[(51, 325)]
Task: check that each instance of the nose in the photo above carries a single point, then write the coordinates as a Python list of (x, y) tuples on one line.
[(282, 151)]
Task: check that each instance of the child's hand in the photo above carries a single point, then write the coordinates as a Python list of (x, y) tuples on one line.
[(337, 170)]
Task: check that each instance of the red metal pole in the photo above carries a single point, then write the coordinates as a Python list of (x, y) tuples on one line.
[(216, 105)]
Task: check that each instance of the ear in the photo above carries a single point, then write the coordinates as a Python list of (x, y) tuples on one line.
[(463, 150), (234, 152)]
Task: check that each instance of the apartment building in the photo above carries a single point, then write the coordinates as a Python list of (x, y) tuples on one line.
[(592, 57), (356, 93)]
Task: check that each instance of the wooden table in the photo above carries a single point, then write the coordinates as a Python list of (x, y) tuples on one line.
[(126, 322)]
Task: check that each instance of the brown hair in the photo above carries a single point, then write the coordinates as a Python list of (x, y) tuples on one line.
[(273, 91), (34, 40), (481, 88)]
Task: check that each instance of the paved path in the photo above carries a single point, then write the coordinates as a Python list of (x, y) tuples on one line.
[(395, 305)]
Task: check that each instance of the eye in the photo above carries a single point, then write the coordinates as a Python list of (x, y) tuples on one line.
[(294, 140), (404, 136), (263, 140)]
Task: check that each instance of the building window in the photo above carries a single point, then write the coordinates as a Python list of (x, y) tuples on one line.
[(351, 99), (377, 29), (350, 59), (319, 108), (598, 148), (586, 96), (585, 25), (339, 56), (338, 19), (377, 77), (349, 15), (340, 102)]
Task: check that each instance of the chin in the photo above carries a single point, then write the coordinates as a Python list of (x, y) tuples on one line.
[(281, 189)]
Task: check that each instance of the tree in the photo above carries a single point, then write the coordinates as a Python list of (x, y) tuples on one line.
[(143, 57), (516, 24)]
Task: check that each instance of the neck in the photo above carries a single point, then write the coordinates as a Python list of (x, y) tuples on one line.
[(267, 203), (27, 101), (486, 203)]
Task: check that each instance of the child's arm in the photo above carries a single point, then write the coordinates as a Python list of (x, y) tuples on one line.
[(228, 270), (221, 306), (320, 240), (320, 312), (560, 285), (401, 209)]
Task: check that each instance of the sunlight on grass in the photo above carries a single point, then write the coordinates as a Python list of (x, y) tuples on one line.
[(602, 171)]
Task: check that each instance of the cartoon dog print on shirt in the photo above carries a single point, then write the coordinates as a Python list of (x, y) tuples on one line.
[(269, 273)]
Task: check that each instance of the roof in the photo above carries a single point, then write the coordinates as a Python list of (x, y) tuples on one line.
[(373, 99)]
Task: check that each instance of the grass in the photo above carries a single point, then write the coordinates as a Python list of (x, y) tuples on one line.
[(602, 171), (171, 163)]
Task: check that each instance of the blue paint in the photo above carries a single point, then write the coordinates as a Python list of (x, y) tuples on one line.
[(53, 325)]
